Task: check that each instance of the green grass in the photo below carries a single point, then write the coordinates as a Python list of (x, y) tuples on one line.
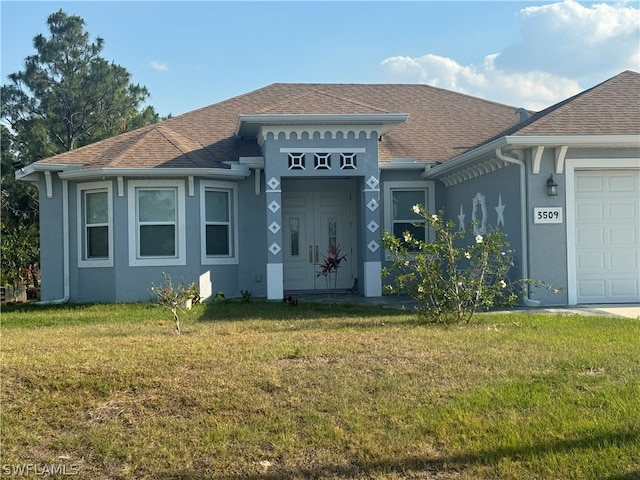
[(266, 391)]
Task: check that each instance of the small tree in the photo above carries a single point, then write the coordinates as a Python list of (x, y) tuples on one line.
[(175, 296), (449, 279)]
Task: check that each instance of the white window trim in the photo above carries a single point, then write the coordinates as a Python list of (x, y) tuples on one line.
[(92, 263), (181, 248), (232, 188), (389, 187)]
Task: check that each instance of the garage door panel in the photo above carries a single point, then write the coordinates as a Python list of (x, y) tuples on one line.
[(623, 261), (589, 183), (607, 235), (591, 288), (588, 261), (590, 211), (623, 288), (590, 236), (621, 183), (622, 211), (625, 235)]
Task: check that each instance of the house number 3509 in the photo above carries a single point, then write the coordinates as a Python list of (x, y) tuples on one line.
[(547, 215)]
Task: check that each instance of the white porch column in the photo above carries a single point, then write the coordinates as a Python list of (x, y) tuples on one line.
[(274, 281), (372, 279)]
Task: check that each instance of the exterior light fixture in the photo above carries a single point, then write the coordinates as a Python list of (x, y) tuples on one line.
[(552, 186)]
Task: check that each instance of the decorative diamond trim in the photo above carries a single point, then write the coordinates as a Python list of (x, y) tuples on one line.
[(274, 206), (372, 205), (373, 246), (373, 226), (274, 227), (274, 248), (372, 182), (273, 183)]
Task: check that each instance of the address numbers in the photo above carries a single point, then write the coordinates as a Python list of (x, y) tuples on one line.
[(547, 215)]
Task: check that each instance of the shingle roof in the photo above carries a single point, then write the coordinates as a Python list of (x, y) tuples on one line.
[(442, 124), (610, 108)]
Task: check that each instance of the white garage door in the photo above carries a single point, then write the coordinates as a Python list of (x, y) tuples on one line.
[(607, 233)]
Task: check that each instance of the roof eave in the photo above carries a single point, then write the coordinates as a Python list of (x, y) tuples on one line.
[(586, 141), (248, 125), (236, 172)]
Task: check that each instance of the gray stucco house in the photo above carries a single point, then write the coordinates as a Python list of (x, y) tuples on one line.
[(247, 194)]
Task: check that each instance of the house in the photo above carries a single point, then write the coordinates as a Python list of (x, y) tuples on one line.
[(247, 194)]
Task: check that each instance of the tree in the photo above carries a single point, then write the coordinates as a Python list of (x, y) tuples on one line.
[(67, 96), (18, 220)]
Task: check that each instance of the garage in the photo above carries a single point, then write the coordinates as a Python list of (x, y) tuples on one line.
[(607, 235)]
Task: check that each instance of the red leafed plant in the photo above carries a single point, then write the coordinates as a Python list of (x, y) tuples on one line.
[(330, 265)]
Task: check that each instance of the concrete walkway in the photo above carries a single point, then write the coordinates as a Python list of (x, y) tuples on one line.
[(395, 301)]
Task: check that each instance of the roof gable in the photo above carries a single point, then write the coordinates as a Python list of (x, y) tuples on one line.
[(610, 108)]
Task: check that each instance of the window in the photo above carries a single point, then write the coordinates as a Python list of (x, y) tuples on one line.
[(218, 215), (95, 242), (400, 197), (403, 217), (156, 223)]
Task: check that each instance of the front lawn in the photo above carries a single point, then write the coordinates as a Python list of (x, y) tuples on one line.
[(262, 390)]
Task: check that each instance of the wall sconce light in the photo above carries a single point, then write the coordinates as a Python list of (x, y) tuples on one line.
[(552, 186)]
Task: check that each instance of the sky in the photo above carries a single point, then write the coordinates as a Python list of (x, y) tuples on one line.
[(189, 55)]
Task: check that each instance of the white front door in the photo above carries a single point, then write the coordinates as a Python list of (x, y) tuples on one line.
[(313, 221), (607, 236)]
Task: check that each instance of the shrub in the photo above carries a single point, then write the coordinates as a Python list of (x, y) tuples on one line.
[(451, 278), (175, 296)]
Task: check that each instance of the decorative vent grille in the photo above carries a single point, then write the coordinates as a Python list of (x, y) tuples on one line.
[(348, 161), (322, 161), (296, 161)]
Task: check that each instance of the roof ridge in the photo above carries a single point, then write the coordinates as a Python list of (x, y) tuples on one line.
[(133, 143), (344, 99), (177, 140)]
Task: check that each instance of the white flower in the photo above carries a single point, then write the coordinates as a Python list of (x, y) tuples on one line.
[(420, 289), (407, 237), (467, 255), (434, 217), (479, 239), (416, 208), (502, 284)]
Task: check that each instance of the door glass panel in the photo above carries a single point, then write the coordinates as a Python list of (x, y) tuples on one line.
[(294, 233), (333, 222)]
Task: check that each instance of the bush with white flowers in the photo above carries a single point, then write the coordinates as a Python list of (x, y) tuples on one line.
[(450, 277)]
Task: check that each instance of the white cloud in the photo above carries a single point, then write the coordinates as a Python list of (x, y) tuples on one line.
[(159, 65), (564, 48)]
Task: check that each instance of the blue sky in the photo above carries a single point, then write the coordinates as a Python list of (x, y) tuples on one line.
[(192, 54)]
